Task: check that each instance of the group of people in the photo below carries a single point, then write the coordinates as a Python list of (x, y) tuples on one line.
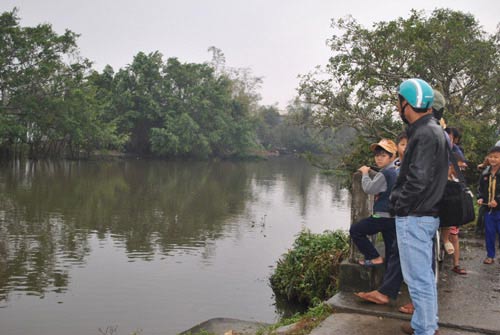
[(407, 188)]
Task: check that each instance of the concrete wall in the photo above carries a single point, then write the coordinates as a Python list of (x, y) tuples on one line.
[(354, 277), (361, 207)]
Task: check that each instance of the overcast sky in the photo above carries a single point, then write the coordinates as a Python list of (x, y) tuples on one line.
[(276, 39)]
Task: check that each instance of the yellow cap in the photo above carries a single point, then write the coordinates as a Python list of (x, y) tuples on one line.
[(385, 144)]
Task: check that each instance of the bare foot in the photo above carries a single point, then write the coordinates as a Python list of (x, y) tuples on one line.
[(407, 309), (374, 296)]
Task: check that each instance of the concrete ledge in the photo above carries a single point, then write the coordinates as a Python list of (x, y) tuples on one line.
[(469, 303), (220, 326), (354, 277), (347, 302), (343, 324)]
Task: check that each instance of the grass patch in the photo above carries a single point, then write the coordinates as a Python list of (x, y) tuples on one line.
[(201, 332), (304, 323)]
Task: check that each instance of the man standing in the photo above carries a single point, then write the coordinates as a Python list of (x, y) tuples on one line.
[(418, 189)]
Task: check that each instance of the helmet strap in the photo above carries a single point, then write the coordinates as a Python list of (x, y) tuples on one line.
[(402, 114)]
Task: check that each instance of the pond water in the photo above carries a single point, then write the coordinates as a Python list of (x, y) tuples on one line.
[(152, 247)]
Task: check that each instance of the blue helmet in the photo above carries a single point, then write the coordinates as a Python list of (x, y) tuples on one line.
[(417, 92)]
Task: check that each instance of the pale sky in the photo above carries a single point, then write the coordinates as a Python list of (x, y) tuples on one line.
[(276, 39)]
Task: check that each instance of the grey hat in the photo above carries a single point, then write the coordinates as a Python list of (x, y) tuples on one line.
[(439, 101)]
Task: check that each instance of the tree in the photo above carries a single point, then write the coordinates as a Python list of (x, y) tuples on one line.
[(244, 85), (201, 104), (31, 67), (52, 102), (268, 119), (294, 131), (178, 109), (181, 136), (448, 49), (137, 100), (46, 100)]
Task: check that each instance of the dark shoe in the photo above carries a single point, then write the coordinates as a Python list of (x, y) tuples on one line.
[(488, 261), (407, 329)]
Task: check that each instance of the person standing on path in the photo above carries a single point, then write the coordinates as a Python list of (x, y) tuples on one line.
[(489, 196), (393, 276), (418, 189)]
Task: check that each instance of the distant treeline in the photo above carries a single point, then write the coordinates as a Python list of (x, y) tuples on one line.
[(54, 104)]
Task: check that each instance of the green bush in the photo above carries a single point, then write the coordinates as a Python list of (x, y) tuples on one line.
[(307, 274), (304, 323)]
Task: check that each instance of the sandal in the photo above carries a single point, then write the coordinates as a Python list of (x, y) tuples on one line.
[(407, 309), (367, 262), (488, 260), (459, 270), (375, 296), (449, 248)]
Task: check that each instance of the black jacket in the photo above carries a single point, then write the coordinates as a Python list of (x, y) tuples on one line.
[(483, 188), (424, 170)]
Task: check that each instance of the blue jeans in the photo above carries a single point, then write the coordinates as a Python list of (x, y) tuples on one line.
[(491, 230), (414, 236)]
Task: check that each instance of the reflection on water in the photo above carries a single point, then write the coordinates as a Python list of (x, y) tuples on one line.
[(150, 245)]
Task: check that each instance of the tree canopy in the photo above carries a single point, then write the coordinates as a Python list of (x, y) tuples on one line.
[(45, 101), (447, 48), (53, 103), (179, 109)]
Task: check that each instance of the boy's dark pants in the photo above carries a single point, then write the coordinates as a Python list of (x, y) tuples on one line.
[(492, 229), (393, 276), (370, 226)]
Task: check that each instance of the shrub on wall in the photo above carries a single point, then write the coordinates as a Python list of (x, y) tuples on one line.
[(308, 272)]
